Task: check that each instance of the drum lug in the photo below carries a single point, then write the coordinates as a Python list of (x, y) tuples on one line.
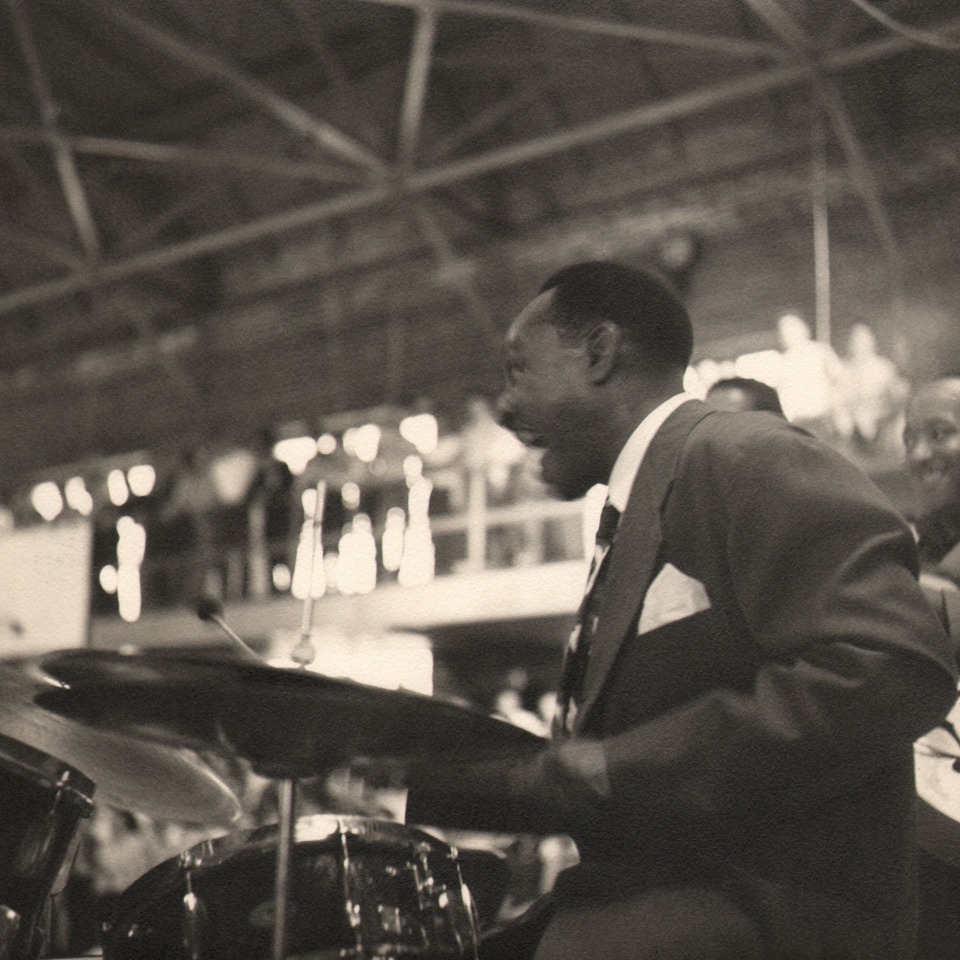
[(9, 925)]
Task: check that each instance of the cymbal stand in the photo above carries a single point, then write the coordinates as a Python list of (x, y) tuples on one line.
[(303, 655), (287, 801)]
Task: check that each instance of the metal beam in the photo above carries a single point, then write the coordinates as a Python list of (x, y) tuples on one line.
[(486, 119), (42, 246), (415, 87), (148, 231), (591, 25), (364, 199), (861, 172), (291, 115), (203, 157), (454, 269), (70, 181)]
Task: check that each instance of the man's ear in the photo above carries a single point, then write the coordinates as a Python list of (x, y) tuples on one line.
[(602, 349)]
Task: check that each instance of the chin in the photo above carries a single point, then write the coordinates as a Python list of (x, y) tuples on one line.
[(564, 484)]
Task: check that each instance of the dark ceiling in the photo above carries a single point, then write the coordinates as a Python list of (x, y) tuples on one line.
[(222, 214)]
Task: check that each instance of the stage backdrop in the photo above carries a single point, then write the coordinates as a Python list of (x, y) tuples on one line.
[(45, 588)]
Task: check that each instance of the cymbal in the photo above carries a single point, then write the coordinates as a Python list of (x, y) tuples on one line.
[(286, 723), (164, 782)]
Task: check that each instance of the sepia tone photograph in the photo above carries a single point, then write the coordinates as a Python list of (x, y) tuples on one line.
[(480, 479)]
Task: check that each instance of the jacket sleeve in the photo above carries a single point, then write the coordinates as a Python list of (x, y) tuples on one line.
[(817, 573)]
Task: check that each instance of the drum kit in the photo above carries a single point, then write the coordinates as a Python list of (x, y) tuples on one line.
[(83, 726)]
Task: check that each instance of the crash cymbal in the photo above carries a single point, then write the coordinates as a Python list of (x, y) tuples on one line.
[(163, 782), (286, 723)]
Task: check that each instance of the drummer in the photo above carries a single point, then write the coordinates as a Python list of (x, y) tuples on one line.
[(752, 662)]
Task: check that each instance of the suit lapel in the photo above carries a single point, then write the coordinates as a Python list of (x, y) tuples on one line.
[(633, 556)]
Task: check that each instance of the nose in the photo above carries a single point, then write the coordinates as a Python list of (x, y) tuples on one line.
[(918, 450)]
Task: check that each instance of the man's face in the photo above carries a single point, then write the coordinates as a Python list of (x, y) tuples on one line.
[(548, 401), (931, 436)]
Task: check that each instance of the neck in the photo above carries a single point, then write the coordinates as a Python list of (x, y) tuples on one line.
[(627, 415)]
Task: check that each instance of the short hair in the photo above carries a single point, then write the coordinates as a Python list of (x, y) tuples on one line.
[(641, 303), (761, 395)]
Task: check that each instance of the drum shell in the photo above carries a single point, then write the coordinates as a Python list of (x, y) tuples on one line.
[(41, 803), (358, 888)]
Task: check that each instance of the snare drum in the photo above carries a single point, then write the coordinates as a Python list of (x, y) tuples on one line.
[(41, 803), (358, 888)]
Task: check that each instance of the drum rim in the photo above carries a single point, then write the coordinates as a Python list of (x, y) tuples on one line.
[(44, 768)]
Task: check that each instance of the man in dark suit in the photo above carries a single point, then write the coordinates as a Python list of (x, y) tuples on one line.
[(752, 662)]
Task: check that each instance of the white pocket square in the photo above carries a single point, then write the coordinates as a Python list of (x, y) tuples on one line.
[(672, 596)]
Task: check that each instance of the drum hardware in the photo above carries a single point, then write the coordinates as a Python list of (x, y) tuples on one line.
[(9, 925), (44, 801), (361, 889), (281, 882), (210, 609)]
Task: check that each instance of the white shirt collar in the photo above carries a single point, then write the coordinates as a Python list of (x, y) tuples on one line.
[(635, 449)]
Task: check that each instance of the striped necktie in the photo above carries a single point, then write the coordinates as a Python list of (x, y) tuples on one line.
[(577, 652)]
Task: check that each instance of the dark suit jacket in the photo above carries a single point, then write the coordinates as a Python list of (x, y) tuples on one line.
[(759, 745)]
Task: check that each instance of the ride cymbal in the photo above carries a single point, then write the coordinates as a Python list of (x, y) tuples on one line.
[(286, 723)]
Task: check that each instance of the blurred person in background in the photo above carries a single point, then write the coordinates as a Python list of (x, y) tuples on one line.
[(874, 393), (931, 438), (812, 379), (743, 393)]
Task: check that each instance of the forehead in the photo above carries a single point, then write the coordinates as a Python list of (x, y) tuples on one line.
[(531, 323), (938, 400)]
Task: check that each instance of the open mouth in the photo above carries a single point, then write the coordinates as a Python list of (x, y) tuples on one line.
[(530, 439)]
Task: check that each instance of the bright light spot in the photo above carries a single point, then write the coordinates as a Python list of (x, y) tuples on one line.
[(357, 567), (131, 543), (326, 444), (117, 488), (78, 497), (363, 442), (46, 500), (231, 474), (418, 499), (351, 495), (412, 469), (764, 365), (308, 573), (128, 593), (295, 452), (142, 479), (281, 577), (308, 500), (391, 543), (131, 546), (330, 562), (420, 430), (108, 578), (418, 562), (391, 660)]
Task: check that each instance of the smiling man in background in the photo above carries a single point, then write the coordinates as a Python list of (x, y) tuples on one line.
[(931, 439), (752, 661)]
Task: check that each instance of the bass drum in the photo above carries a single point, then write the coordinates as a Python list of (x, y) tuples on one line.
[(358, 888), (41, 803)]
